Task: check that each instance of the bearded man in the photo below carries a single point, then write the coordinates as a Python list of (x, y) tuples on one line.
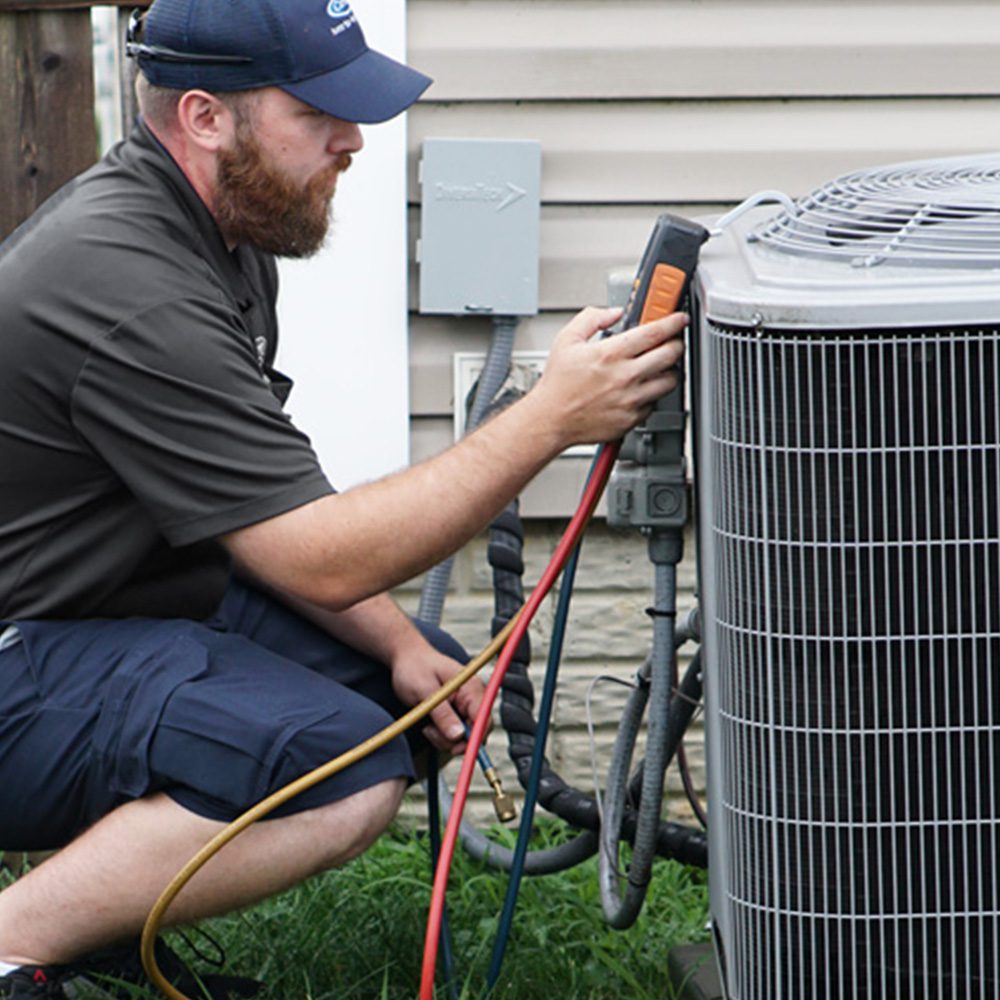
[(191, 615)]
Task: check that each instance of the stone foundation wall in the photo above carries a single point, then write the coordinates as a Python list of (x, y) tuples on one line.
[(609, 635)]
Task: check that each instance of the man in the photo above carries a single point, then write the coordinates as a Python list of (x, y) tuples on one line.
[(192, 615)]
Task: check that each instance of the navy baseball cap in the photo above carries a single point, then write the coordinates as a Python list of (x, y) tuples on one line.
[(313, 49)]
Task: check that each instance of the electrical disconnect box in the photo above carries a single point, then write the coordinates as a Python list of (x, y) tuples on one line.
[(478, 249)]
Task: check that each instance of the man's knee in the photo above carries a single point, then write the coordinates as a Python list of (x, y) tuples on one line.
[(354, 823), (385, 797)]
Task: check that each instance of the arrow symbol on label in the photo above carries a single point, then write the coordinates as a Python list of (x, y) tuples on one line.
[(514, 193)]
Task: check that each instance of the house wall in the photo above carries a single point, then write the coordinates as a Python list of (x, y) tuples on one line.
[(644, 106)]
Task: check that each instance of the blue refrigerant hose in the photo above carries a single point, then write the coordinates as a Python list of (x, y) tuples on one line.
[(537, 762)]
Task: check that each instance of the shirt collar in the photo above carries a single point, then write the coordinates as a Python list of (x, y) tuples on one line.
[(206, 238)]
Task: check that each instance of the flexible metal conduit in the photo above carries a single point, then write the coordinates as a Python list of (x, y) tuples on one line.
[(683, 704), (621, 912), (495, 371), (544, 862)]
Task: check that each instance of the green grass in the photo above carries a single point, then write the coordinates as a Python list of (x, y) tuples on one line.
[(357, 933)]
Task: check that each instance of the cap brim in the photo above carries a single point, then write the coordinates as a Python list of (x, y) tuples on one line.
[(371, 88)]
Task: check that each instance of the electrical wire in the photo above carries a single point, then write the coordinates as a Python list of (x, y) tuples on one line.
[(682, 762), (264, 807), (591, 736), (604, 463), (689, 790)]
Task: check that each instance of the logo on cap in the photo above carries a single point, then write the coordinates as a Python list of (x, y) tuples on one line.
[(338, 8)]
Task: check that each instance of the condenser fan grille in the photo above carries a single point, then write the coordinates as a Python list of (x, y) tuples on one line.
[(941, 213), (854, 537)]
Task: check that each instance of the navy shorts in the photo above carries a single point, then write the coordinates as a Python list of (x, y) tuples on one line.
[(217, 714)]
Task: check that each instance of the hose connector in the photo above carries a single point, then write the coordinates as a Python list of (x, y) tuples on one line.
[(503, 804)]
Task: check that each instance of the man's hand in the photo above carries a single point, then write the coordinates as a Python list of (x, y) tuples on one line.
[(419, 673), (601, 388), (379, 629)]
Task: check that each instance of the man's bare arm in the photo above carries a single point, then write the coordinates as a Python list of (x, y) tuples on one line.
[(344, 548)]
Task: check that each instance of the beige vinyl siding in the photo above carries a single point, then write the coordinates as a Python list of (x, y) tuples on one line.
[(683, 105), (644, 106), (662, 152), (504, 50)]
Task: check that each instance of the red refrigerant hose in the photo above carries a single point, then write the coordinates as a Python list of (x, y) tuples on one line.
[(602, 470)]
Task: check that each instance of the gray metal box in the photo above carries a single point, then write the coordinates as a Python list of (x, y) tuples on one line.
[(478, 249)]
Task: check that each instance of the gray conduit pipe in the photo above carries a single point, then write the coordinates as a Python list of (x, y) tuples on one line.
[(495, 371), (622, 912), (545, 862)]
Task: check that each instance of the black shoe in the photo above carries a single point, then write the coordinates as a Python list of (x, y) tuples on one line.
[(116, 972), (33, 982)]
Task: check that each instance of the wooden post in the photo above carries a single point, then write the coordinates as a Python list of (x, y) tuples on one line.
[(48, 132), (46, 107)]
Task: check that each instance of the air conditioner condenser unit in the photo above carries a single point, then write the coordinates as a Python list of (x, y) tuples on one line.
[(846, 400)]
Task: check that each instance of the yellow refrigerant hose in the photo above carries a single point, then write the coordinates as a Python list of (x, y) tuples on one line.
[(280, 797)]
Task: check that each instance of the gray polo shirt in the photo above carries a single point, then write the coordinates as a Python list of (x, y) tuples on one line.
[(140, 417)]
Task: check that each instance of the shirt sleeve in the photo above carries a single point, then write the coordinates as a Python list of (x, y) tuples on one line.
[(175, 403)]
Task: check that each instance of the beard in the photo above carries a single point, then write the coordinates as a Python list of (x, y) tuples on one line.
[(257, 203)]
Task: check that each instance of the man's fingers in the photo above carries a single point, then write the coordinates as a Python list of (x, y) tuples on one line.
[(642, 339), (590, 321), (469, 697), (447, 722), (657, 387)]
